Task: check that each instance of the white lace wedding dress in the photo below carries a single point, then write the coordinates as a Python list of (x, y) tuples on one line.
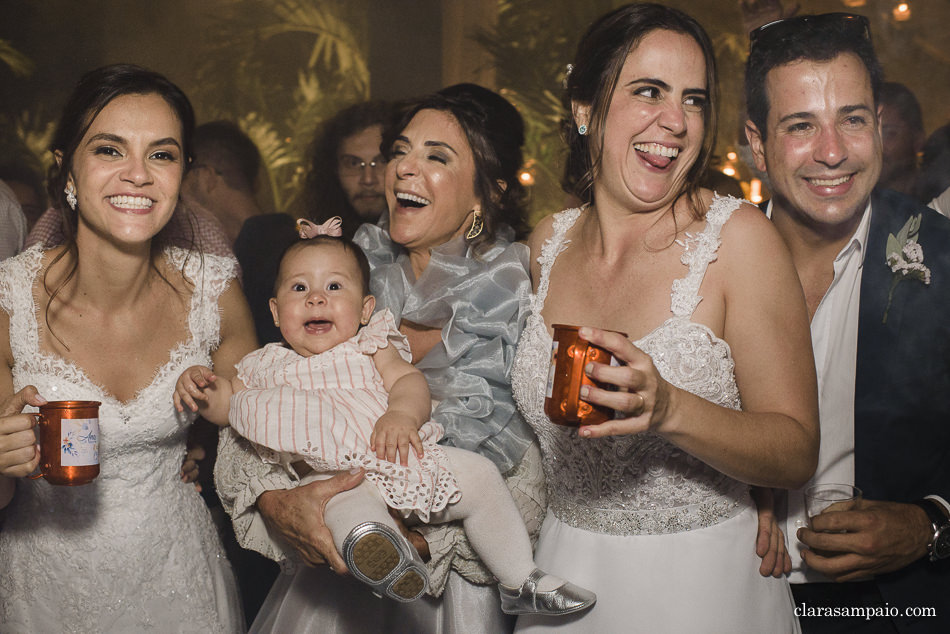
[(136, 549), (666, 541)]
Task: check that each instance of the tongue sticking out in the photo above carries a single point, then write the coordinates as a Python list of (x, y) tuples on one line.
[(655, 160)]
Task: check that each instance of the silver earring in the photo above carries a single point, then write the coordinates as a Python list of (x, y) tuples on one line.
[(71, 196), (582, 129)]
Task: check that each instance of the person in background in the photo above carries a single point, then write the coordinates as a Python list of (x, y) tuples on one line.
[(223, 178), (13, 224), (933, 178), (875, 267), (347, 166), (27, 185), (902, 131)]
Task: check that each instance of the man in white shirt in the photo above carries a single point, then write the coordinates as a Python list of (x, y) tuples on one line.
[(876, 274)]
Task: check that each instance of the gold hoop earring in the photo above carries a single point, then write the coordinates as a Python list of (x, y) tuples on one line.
[(477, 225)]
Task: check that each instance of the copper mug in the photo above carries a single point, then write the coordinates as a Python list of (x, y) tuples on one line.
[(69, 442), (569, 355)]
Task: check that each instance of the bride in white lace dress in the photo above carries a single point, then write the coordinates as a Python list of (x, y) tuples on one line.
[(113, 317), (652, 510)]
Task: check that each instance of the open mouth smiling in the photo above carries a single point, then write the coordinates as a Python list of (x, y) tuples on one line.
[(657, 155), (131, 202), (411, 200), (317, 326), (829, 182)]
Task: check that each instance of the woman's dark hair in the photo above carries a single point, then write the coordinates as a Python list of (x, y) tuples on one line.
[(95, 90), (495, 133), (348, 246), (323, 195), (593, 77)]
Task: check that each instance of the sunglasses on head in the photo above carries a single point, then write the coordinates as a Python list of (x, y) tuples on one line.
[(781, 30)]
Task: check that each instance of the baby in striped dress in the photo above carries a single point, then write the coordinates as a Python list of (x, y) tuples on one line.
[(340, 393)]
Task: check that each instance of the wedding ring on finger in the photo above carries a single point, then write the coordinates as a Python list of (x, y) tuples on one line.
[(643, 405)]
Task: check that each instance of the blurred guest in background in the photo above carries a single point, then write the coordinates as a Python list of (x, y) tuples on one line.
[(902, 130), (347, 167), (223, 178)]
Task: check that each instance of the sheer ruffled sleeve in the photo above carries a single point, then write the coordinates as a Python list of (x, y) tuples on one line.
[(480, 305)]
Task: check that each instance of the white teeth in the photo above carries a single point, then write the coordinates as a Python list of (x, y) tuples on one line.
[(131, 202), (828, 182), (413, 198), (656, 148)]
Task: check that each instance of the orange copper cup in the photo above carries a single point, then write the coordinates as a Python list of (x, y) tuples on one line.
[(69, 442), (569, 355)]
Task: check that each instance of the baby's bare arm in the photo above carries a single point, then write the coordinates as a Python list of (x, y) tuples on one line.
[(410, 406)]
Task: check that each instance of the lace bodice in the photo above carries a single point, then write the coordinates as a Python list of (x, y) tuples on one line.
[(136, 548), (641, 483)]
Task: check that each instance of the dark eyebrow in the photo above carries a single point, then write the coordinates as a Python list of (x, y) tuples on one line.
[(114, 138), (441, 144), (659, 83), (853, 109), (430, 144), (796, 115)]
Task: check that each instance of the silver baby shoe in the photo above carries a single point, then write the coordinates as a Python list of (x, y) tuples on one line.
[(565, 599), (384, 560)]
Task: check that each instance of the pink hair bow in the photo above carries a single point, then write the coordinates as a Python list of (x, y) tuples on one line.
[(332, 227)]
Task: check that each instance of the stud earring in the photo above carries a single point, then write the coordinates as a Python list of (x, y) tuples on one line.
[(477, 225), (71, 196), (582, 129)]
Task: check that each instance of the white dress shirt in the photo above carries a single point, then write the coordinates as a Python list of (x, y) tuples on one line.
[(834, 334)]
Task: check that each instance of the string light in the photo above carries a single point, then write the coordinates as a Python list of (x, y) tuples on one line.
[(901, 12), (755, 191), (526, 178)]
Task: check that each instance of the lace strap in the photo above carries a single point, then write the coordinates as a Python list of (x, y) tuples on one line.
[(211, 275), (551, 248), (698, 252)]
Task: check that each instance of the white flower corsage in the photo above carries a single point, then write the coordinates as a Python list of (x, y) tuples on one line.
[(905, 257)]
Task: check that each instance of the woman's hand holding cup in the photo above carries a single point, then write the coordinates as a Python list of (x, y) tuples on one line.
[(19, 451), (642, 399)]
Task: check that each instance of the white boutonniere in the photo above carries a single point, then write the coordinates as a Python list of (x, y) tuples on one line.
[(905, 257)]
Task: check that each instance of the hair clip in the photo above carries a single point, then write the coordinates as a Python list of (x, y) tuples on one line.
[(332, 227)]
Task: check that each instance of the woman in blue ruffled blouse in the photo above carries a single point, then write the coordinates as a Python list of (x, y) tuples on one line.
[(448, 269)]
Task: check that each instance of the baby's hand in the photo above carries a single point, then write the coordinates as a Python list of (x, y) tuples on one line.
[(393, 435), (191, 387)]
